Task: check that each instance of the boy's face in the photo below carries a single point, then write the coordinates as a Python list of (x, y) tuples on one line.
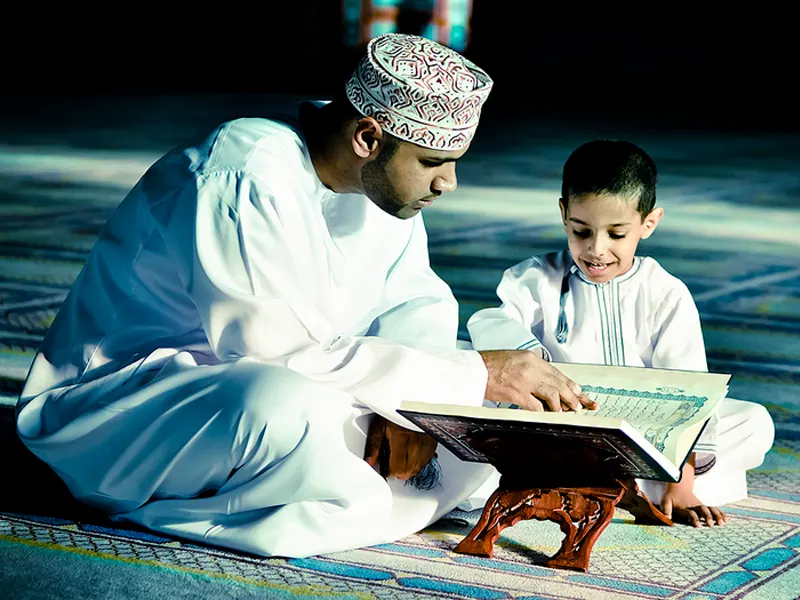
[(603, 232)]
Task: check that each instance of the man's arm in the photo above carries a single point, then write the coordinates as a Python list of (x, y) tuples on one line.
[(418, 308), (515, 376), (240, 268)]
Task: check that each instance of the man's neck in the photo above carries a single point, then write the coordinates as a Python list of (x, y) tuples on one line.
[(327, 150)]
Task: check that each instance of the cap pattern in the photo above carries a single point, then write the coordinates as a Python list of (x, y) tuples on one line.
[(419, 91)]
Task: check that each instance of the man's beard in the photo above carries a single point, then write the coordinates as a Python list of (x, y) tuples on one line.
[(380, 190)]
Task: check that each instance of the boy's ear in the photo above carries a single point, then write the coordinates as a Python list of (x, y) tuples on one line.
[(651, 222), (563, 210)]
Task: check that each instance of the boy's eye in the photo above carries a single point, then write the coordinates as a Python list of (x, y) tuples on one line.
[(430, 163), (583, 233), (616, 236)]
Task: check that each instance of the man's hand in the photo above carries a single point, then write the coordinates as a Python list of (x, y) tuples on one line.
[(395, 451), (525, 379)]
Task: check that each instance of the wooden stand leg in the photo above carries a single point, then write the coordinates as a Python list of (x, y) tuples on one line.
[(504, 509), (582, 514), (585, 515)]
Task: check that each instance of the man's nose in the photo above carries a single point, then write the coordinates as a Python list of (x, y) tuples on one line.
[(446, 181)]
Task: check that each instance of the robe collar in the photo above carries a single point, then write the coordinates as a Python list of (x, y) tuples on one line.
[(570, 268)]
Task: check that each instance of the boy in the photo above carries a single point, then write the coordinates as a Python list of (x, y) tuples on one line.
[(596, 302)]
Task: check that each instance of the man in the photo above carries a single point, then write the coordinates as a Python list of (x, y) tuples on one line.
[(253, 304)]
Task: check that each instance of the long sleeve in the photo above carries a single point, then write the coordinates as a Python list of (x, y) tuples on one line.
[(418, 308), (510, 325), (246, 270), (679, 344)]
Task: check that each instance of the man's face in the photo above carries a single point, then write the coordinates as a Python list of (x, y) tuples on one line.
[(410, 179), (603, 233)]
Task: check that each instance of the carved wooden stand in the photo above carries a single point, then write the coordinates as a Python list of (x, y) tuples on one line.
[(581, 512)]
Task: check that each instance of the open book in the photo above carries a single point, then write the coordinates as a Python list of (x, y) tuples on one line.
[(646, 426)]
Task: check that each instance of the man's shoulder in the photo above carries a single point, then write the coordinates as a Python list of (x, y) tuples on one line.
[(253, 144)]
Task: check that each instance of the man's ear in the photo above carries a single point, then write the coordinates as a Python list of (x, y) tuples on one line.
[(651, 222), (563, 210), (367, 138)]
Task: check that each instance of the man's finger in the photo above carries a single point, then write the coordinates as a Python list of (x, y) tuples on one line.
[(551, 399), (548, 390), (570, 400), (532, 404), (568, 391), (588, 402), (719, 516), (375, 435), (573, 386), (563, 379)]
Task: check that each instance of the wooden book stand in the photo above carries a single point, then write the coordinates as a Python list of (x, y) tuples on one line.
[(564, 484)]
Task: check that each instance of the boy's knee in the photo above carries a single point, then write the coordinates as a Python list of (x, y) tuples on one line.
[(752, 433), (762, 426)]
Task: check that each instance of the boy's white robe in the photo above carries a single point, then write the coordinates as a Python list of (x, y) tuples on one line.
[(646, 317), (214, 369)]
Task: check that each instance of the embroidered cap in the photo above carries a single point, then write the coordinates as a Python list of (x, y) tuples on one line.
[(419, 91)]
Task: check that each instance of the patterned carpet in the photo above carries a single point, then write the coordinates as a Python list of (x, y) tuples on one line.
[(730, 231)]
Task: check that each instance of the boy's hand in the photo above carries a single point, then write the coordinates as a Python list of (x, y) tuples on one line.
[(688, 509)]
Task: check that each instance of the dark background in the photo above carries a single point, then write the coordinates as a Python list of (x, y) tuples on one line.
[(734, 66)]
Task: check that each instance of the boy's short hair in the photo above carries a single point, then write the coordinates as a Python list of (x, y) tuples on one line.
[(611, 167)]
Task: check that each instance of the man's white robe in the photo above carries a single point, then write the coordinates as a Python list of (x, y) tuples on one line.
[(213, 372), (646, 317)]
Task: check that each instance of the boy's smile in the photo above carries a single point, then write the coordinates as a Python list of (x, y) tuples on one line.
[(597, 269), (603, 232)]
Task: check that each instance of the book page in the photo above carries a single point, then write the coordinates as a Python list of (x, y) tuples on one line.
[(659, 417), (659, 404)]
